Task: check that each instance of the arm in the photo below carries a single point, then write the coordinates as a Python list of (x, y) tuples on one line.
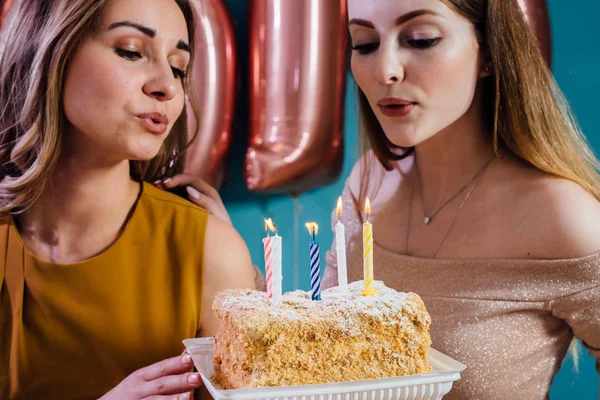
[(581, 311), (227, 265), (260, 282)]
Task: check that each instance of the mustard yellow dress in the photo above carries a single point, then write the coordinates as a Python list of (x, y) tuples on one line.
[(75, 331)]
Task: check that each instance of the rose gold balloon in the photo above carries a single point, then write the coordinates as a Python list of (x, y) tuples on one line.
[(4, 7), (536, 14), (297, 76), (214, 80)]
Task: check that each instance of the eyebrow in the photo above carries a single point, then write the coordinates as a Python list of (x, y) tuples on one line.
[(399, 21), (181, 45), (144, 29)]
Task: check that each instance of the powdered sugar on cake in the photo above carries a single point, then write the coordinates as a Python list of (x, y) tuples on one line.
[(298, 305), (341, 338)]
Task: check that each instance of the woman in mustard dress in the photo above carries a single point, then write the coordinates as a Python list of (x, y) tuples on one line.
[(102, 275)]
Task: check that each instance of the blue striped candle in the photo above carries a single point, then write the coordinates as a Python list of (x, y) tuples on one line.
[(315, 263)]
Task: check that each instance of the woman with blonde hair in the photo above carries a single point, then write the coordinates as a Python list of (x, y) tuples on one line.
[(484, 193), (102, 274)]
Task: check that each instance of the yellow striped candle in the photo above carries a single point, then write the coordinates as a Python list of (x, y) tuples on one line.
[(368, 287)]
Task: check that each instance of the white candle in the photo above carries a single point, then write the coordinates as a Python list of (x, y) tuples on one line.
[(276, 268), (340, 246), (273, 263)]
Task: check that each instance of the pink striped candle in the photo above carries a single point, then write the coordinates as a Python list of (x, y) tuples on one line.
[(268, 246), (267, 243), (272, 247)]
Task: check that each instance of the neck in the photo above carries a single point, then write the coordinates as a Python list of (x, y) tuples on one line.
[(448, 160), (85, 196)]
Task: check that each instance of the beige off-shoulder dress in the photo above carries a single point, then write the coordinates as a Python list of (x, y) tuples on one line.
[(509, 320)]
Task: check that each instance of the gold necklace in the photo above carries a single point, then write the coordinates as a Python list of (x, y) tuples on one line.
[(428, 217)]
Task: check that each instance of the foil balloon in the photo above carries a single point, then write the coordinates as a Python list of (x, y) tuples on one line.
[(213, 74), (4, 7), (297, 76), (536, 14)]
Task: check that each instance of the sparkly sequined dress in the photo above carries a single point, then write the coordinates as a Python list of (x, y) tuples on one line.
[(510, 321)]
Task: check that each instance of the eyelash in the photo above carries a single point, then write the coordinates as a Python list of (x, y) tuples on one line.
[(366, 48), (427, 42), (134, 55), (419, 44)]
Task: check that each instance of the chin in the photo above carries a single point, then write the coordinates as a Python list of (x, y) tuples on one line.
[(405, 140), (145, 154), (144, 149)]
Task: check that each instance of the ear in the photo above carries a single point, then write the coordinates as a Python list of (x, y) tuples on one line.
[(486, 70), (486, 65)]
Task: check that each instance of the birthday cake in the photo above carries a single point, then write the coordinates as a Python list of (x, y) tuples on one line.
[(343, 337)]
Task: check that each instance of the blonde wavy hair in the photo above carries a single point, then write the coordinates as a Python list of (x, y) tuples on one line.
[(526, 112), (39, 40)]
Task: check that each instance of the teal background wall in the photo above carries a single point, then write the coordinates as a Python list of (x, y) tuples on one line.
[(576, 65)]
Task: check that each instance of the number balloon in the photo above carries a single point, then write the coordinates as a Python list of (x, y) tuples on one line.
[(297, 76), (214, 80)]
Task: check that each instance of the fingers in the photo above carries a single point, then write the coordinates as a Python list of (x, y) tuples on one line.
[(203, 201), (171, 385), (199, 193), (169, 379), (182, 396), (170, 366), (200, 185)]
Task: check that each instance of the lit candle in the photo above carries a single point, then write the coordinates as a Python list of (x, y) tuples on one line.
[(315, 262), (368, 287), (340, 246), (268, 246), (272, 245), (277, 269)]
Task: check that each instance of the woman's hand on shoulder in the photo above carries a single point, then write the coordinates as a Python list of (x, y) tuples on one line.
[(199, 193), (227, 265)]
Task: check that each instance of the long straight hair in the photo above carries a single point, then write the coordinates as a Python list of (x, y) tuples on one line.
[(525, 110), (40, 40)]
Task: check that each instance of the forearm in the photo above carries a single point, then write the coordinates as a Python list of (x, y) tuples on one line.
[(260, 283)]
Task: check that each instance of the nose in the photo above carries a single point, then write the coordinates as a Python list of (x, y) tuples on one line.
[(161, 83), (389, 69)]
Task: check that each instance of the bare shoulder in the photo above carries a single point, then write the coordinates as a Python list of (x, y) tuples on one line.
[(227, 265), (226, 256), (561, 214)]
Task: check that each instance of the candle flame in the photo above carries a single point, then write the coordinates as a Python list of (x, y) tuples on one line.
[(312, 227), (367, 206), (338, 209), (269, 225)]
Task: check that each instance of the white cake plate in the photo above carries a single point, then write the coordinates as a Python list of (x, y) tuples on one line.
[(428, 386)]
